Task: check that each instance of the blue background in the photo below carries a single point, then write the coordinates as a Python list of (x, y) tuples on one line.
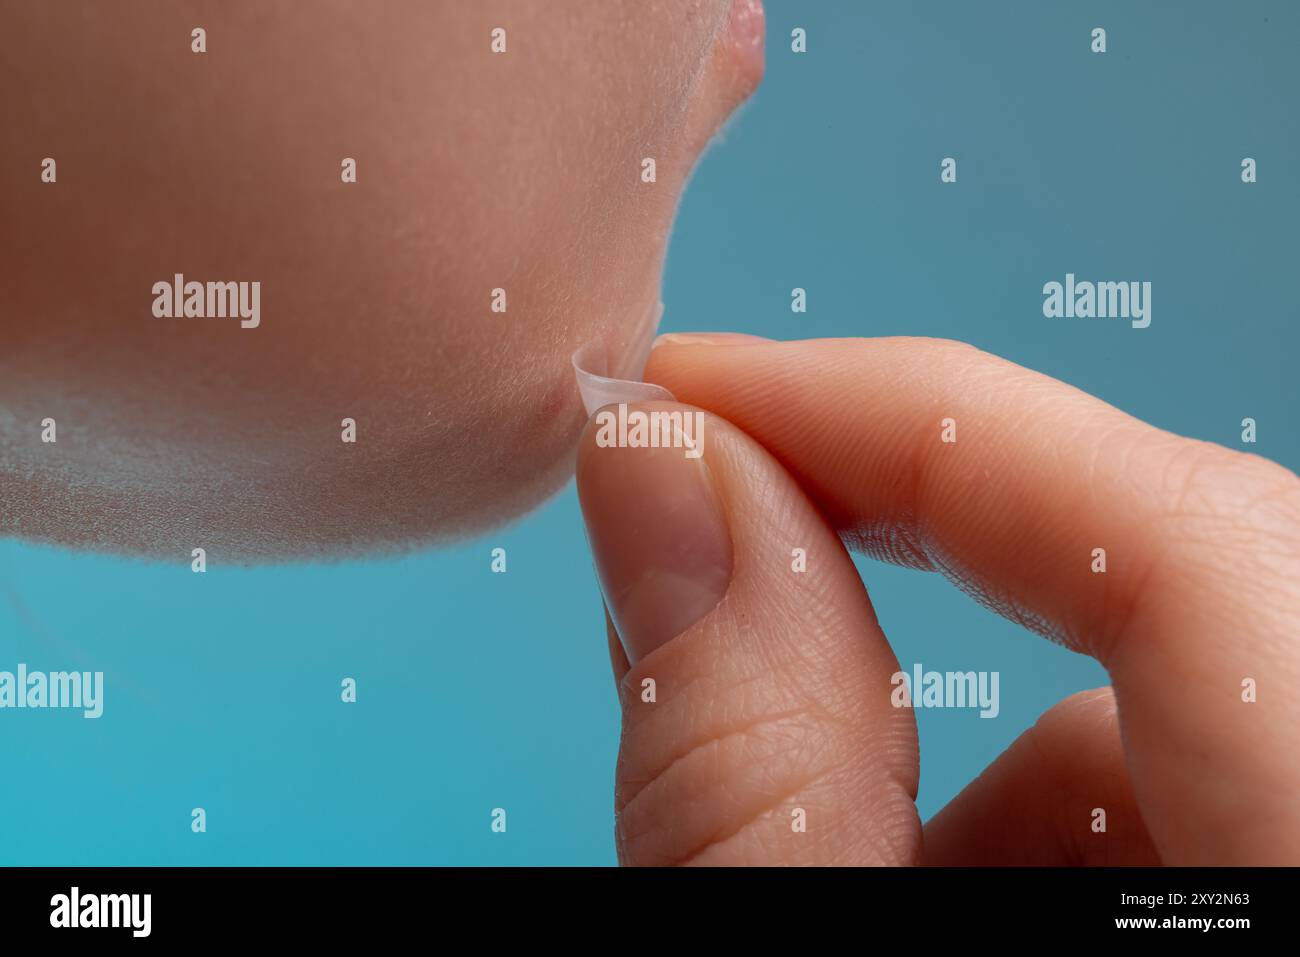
[(480, 690)]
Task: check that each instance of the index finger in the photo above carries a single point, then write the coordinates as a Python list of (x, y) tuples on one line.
[(1022, 490)]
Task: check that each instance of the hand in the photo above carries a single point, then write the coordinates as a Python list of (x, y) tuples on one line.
[(772, 688)]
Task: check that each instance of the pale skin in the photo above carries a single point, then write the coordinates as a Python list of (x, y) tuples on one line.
[(522, 172), (475, 171), (822, 441)]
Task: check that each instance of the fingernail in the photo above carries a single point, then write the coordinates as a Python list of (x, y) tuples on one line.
[(706, 339), (655, 522)]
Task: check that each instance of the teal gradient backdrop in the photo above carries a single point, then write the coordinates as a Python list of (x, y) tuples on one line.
[(479, 690)]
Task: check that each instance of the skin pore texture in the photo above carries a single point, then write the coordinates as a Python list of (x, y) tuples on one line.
[(475, 171)]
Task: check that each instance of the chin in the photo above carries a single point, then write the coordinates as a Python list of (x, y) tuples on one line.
[(444, 444)]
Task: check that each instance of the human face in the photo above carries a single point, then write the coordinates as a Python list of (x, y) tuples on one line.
[(476, 171)]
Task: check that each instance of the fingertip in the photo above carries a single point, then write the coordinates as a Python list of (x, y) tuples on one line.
[(656, 524)]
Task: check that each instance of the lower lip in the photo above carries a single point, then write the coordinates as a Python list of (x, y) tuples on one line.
[(744, 33)]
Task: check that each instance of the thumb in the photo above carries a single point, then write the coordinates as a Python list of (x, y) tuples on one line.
[(758, 726)]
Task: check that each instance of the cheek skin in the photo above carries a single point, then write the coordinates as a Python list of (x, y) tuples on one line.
[(474, 172)]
